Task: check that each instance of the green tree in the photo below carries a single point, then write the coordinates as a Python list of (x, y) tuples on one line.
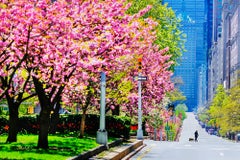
[(176, 95), (230, 120), (203, 114), (215, 110), (117, 90), (167, 30), (181, 109)]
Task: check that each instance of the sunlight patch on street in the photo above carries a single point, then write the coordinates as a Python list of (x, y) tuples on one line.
[(144, 153)]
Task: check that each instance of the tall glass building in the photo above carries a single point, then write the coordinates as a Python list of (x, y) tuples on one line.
[(193, 64)]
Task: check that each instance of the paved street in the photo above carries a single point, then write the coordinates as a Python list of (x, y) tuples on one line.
[(209, 147)]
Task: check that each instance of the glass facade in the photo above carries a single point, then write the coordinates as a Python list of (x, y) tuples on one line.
[(194, 15)]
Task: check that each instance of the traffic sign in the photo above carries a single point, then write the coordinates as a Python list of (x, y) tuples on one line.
[(140, 78)]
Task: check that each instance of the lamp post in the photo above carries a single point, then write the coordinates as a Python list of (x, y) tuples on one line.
[(139, 131), (102, 133), (140, 78)]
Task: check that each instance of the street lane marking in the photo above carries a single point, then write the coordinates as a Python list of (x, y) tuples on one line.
[(220, 149)]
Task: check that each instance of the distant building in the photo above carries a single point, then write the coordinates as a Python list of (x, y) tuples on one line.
[(224, 58), (231, 44), (197, 25)]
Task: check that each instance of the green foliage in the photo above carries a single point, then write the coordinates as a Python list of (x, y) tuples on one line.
[(3, 107), (168, 32), (22, 108), (225, 109), (176, 95), (172, 133), (71, 123), (203, 114), (3, 6), (215, 110), (121, 91), (118, 126), (154, 119), (3, 124), (181, 110), (230, 120)]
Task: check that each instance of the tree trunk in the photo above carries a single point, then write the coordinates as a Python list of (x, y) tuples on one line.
[(54, 119), (13, 123), (44, 117), (84, 108), (43, 131), (82, 127)]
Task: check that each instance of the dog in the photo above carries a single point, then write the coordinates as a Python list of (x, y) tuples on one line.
[(191, 139)]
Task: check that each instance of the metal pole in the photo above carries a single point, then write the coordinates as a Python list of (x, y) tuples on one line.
[(102, 133), (102, 101), (167, 131), (139, 131)]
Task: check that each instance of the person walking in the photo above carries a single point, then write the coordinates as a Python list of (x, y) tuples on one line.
[(196, 135)]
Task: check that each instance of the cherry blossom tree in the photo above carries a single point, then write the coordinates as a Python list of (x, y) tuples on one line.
[(112, 35), (155, 65), (15, 83), (36, 36), (67, 39), (65, 44)]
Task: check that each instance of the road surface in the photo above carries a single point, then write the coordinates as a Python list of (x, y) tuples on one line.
[(208, 147)]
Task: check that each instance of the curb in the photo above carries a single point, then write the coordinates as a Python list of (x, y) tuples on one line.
[(95, 151), (123, 151), (134, 152)]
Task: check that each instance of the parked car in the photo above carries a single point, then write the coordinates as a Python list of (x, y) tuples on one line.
[(238, 137), (211, 131), (202, 124)]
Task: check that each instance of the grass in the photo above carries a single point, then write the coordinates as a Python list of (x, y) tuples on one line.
[(60, 147)]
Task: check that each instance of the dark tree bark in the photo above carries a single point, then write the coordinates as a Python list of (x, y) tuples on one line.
[(47, 102), (82, 126), (13, 123), (13, 106), (44, 121), (54, 119), (44, 117), (84, 108)]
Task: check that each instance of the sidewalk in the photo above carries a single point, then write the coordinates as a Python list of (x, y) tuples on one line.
[(114, 151), (123, 151)]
